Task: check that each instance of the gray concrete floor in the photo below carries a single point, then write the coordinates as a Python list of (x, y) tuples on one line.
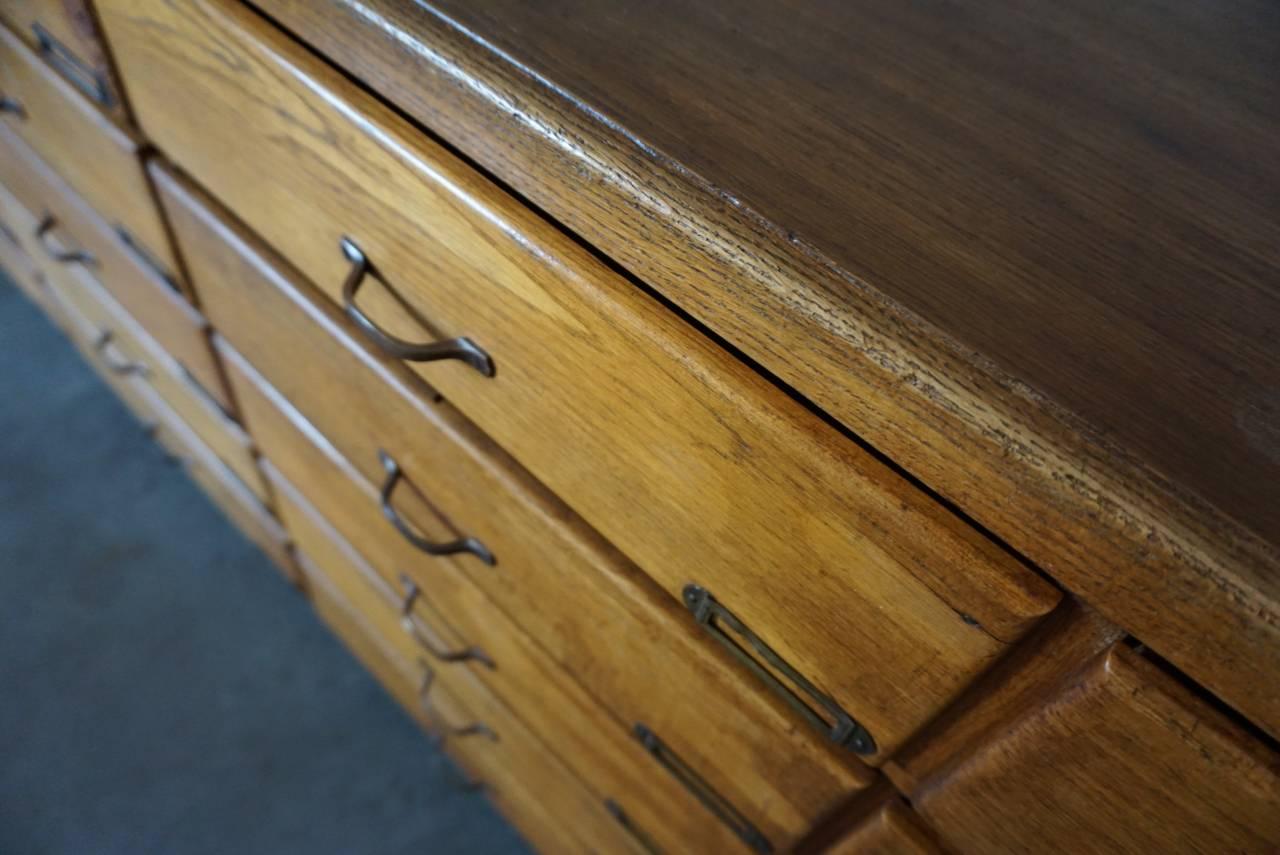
[(162, 690)]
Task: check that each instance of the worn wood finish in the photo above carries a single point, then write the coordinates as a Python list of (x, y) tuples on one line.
[(592, 738), (166, 314), (132, 345), (1026, 253), (101, 160), (66, 34), (1061, 646), (597, 613), (1122, 759), (835, 560), (456, 697), (892, 829), (506, 791)]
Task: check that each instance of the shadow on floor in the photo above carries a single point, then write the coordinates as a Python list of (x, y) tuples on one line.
[(162, 689)]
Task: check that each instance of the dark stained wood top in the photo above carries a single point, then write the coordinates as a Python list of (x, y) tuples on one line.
[(1031, 251)]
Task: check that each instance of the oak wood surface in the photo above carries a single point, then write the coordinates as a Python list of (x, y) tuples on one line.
[(74, 43), (812, 542), (1027, 252), (457, 696), (102, 161), (893, 829), (525, 812), (1122, 759), (131, 344), (597, 613), (166, 314), (582, 727)]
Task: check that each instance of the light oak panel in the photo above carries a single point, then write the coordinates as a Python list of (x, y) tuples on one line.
[(594, 742), (597, 613), (1121, 759), (882, 598), (102, 161), (76, 228)]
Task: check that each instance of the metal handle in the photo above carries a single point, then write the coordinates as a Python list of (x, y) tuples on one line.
[(701, 790), (410, 623), (47, 224), (123, 367), (824, 713), (88, 80), (446, 730), (452, 547), (463, 349), (12, 106), (642, 840)]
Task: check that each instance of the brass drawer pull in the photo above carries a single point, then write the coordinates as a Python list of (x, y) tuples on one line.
[(452, 547), (463, 349), (122, 367), (828, 717), (47, 224), (701, 790), (85, 78), (446, 730), (410, 623), (12, 106), (637, 834)]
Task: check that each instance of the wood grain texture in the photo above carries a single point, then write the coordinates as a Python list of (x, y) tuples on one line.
[(459, 695), (166, 314), (76, 48), (102, 161), (1121, 759), (584, 726), (832, 558), (1028, 253), (132, 345), (597, 613), (893, 829)]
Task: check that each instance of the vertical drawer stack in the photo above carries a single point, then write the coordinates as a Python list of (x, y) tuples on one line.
[(649, 599)]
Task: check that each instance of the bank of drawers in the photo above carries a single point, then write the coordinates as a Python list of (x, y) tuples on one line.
[(645, 596), (696, 468)]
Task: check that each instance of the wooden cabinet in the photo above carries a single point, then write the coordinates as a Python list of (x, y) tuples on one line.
[(834, 515)]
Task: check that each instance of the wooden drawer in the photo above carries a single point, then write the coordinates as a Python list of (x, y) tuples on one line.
[(598, 614), (693, 465), (14, 257), (131, 350), (474, 723), (77, 235), (526, 812), (102, 161), (1122, 758), (65, 34), (456, 615)]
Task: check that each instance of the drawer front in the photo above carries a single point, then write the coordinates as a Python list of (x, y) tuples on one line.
[(131, 389), (1122, 759), (95, 156), (129, 350), (890, 829), (65, 34), (598, 615), (74, 236), (453, 618), (881, 599), (14, 255), (472, 722)]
